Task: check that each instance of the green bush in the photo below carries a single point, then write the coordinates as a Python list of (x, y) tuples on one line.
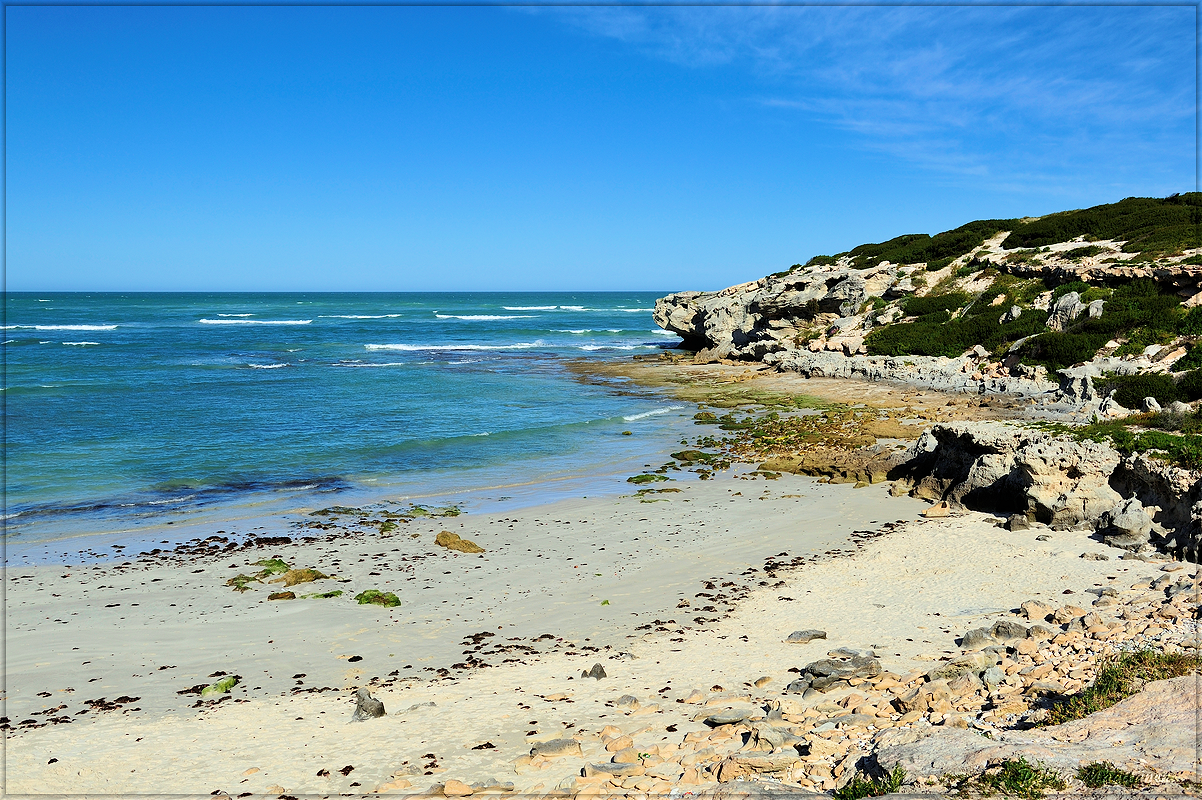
[(1080, 287), (1082, 252), (1130, 390), (1118, 680), (860, 788), (915, 248), (1146, 224), (1189, 385), (1103, 773), (1135, 311), (933, 304)]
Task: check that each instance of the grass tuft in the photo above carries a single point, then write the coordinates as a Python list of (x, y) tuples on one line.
[(1103, 773), (1018, 778), (875, 787), (1120, 679)]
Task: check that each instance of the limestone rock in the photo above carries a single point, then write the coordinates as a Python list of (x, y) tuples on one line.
[(1064, 311), (556, 748), (366, 706), (805, 636), (1126, 526)]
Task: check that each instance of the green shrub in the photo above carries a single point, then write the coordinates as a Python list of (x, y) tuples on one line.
[(936, 264), (1119, 679), (1190, 323), (1082, 252), (1135, 311), (924, 306), (1130, 390), (1189, 385), (1146, 224), (1080, 287), (1103, 773), (860, 787), (820, 261)]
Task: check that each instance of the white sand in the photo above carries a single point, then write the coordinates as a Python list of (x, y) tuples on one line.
[(907, 594)]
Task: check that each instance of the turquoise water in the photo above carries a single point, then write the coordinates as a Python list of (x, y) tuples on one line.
[(138, 404)]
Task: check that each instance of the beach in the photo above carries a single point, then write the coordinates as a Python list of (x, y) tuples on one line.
[(696, 593)]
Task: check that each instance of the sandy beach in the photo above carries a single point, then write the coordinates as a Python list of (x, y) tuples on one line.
[(689, 598)]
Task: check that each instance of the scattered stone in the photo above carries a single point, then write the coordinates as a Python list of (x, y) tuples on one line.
[(1095, 556), (597, 672), (556, 748), (453, 788), (282, 596), (627, 701), (805, 636), (366, 706)]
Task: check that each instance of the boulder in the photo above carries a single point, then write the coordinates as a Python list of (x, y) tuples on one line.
[(991, 466), (1064, 311), (556, 748), (1126, 526), (366, 706), (805, 636)]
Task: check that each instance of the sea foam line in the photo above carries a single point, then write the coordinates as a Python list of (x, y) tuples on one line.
[(529, 308), (253, 322), (235, 315), (358, 316), (655, 413), (411, 347), (65, 327), (268, 366), (82, 344), (484, 316)]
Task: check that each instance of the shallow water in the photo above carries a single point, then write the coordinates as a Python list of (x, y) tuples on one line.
[(126, 406)]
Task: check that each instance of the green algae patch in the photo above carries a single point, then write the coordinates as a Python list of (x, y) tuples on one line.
[(241, 583), (647, 478), (271, 566), (692, 456), (222, 686), (294, 576), (374, 597)]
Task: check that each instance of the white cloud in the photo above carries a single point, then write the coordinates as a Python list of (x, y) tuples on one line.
[(1019, 95)]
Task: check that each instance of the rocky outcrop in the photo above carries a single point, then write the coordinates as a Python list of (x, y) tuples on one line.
[(1137, 503), (1154, 726), (766, 316), (997, 467)]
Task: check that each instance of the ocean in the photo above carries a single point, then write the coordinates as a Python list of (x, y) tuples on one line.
[(124, 408)]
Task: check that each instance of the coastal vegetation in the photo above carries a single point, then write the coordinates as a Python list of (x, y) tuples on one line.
[(1120, 678)]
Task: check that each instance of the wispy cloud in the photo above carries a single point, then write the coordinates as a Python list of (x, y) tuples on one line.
[(1014, 95)]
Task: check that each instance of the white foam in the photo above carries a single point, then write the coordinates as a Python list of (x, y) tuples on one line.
[(82, 344), (8, 341), (654, 413), (170, 500), (573, 308), (359, 316), (528, 308), (44, 301), (615, 346), (662, 332), (479, 434), (235, 315), (484, 316), (411, 347), (64, 327), (633, 310), (582, 330), (389, 364), (268, 366), (253, 322)]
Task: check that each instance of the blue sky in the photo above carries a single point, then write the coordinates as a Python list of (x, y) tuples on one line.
[(386, 148)]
